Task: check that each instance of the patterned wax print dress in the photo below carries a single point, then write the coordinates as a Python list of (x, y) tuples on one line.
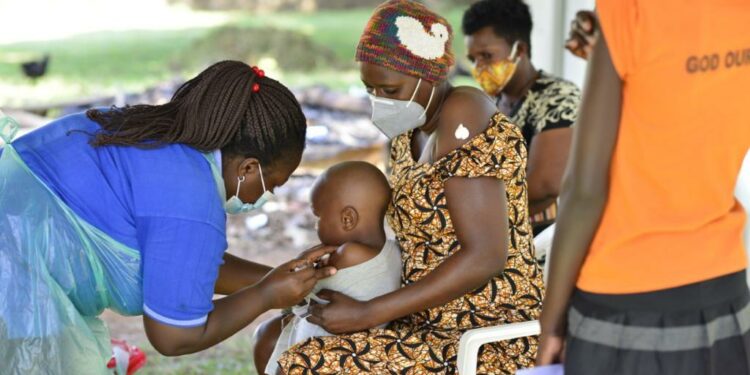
[(426, 342)]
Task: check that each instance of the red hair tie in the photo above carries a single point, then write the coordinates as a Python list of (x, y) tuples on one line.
[(260, 73)]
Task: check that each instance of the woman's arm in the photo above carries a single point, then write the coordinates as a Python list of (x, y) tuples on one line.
[(584, 194), (478, 210), (282, 287), (237, 273), (548, 155)]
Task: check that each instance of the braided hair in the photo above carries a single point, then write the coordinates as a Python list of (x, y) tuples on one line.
[(229, 106)]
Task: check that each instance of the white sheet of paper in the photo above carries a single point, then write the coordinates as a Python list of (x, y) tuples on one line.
[(543, 370)]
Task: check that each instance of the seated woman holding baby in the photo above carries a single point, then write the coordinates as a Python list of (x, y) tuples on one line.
[(458, 207)]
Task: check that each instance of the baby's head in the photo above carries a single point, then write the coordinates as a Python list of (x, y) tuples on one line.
[(350, 200)]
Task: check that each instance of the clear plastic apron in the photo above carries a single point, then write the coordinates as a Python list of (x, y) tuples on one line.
[(57, 274)]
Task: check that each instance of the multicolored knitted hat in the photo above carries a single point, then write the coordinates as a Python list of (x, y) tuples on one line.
[(405, 36)]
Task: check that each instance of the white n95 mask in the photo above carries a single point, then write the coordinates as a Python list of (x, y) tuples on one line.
[(395, 117)]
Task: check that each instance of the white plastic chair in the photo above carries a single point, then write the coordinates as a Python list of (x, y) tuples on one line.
[(471, 341)]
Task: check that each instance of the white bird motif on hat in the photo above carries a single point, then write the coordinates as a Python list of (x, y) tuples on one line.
[(427, 45)]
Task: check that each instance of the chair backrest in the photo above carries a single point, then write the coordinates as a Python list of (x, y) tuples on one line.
[(543, 246), (742, 192)]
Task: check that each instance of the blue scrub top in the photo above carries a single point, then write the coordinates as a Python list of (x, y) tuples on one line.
[(162, 202)]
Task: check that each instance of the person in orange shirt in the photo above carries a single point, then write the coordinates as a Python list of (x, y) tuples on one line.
[(648, 264)]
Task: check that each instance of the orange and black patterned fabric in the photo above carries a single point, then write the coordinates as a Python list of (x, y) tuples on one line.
[(427, 342)]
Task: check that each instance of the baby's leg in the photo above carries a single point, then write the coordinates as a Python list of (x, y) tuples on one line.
[(265, 338)]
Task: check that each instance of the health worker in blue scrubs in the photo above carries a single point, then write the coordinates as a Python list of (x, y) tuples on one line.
[(125, 208)]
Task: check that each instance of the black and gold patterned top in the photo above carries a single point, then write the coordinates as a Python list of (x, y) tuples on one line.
[(420, 219), (551, 103)]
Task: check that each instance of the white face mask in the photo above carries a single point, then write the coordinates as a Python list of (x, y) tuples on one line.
[(395, 117)]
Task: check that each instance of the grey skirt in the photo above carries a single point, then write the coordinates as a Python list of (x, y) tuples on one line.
[(700, 328)]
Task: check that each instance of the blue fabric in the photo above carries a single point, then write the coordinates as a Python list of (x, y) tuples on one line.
[(162, 202)]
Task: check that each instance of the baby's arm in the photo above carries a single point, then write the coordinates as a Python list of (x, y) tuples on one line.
[(351, 254)]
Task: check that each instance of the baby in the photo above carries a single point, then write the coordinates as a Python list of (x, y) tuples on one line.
[(349, 200)]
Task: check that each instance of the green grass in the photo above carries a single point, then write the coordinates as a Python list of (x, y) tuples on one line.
[(102, 63), (340, 30), (232, 357), (105, 57), (91, 64)]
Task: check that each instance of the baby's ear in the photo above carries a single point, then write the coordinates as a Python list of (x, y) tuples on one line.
[(349, 218)]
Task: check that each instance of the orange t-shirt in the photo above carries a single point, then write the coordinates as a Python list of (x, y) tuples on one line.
[(671, 218)]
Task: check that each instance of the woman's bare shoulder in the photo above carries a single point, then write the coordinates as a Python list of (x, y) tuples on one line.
[(466, 112)]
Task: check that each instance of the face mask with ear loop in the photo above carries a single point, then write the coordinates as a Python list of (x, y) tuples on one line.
[(395, 117), (495, 76), (235, 206)]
